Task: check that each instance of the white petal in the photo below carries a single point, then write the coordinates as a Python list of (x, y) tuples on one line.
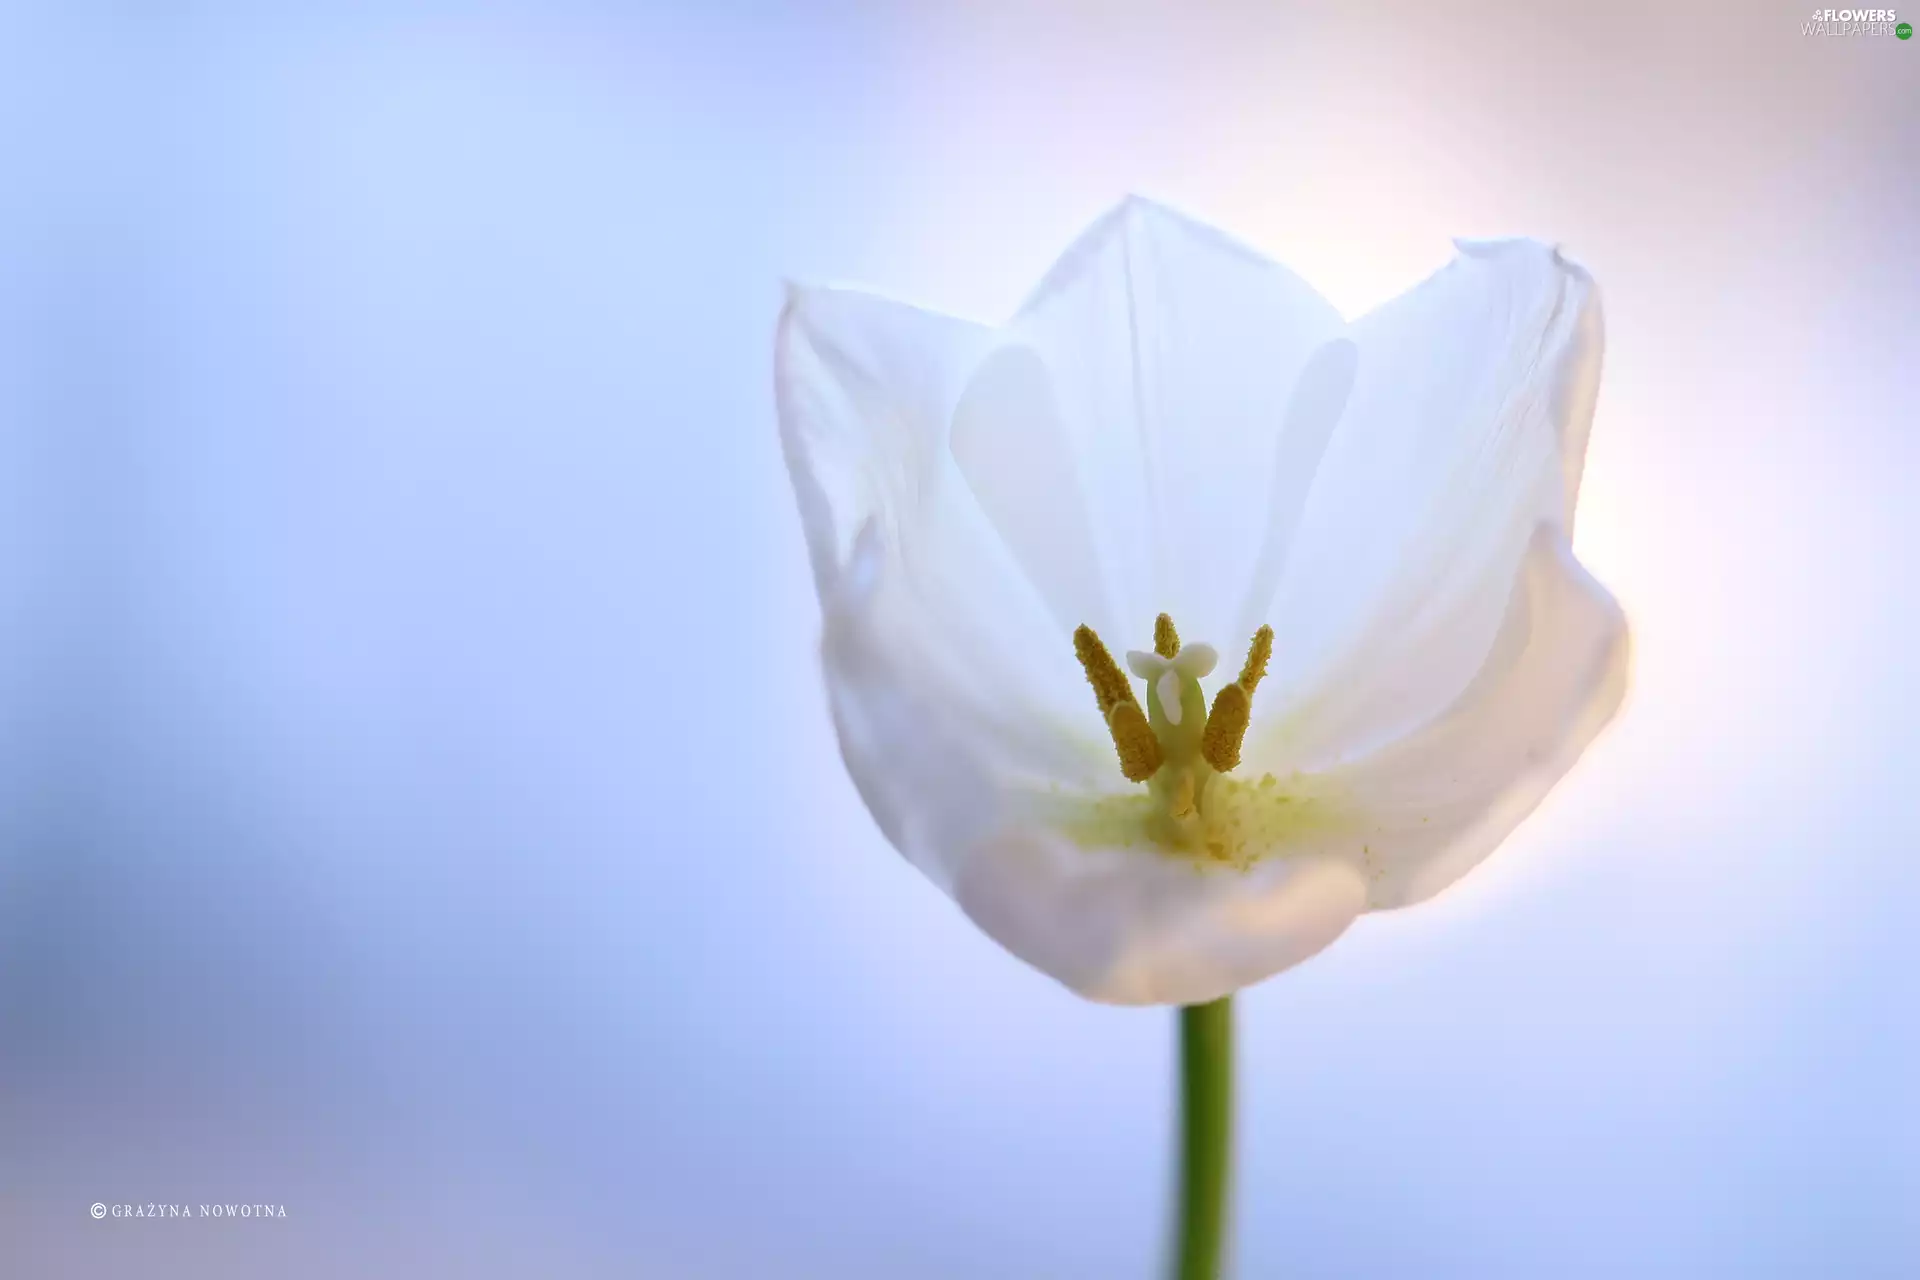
[(1147, 666), (921, 763), (865, 389), (1464, 429), (1136, 926), (1319, 400), (1440, 800), (1175, 355), (1011, 447)]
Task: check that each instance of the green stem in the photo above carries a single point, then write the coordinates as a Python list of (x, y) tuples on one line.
[(1206, 1137)]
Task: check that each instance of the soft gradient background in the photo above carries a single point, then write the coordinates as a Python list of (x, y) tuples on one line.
[(417, 804)]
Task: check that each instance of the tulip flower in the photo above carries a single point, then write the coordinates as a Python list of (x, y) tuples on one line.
[(1179, 620)]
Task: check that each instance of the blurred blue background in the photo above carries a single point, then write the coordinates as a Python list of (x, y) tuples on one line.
[(417, 803)]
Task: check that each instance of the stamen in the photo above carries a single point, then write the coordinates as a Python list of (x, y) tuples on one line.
[(1226, 728), (1140, 754), (1109, 686), (1257, 655), (1227, 723), (1172, 754), (1166, 641)]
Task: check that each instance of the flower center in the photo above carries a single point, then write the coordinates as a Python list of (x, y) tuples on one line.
[(1176, 745)]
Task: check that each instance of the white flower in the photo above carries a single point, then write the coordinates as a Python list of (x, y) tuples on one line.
[(1174, 425)]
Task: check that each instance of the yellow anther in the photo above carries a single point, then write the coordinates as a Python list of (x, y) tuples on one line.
[(1166, 641), (1258, 652), (1140, 755), (1226, 727), (1232, 707), (1109, 685)]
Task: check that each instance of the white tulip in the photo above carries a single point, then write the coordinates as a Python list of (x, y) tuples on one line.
[(1174, 425)]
